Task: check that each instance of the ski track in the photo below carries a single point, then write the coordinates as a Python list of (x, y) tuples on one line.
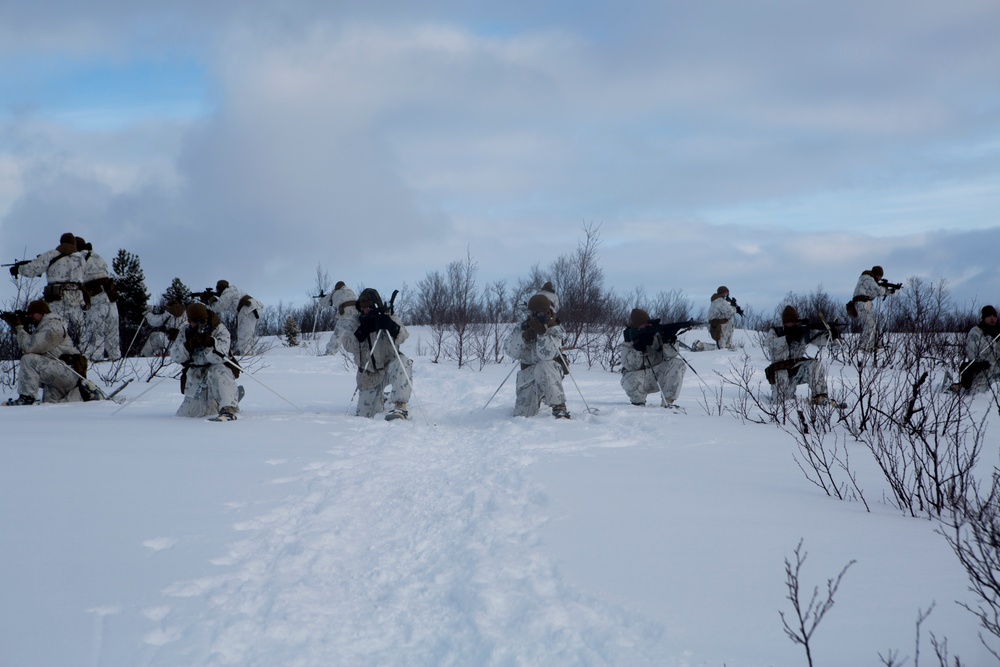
[(450, 532)]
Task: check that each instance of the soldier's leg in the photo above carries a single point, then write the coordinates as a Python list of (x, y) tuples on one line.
[(400, 377), (548, 379), (670, 375), (526, 403)]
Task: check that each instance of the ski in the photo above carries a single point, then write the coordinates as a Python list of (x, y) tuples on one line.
[(112, 395)]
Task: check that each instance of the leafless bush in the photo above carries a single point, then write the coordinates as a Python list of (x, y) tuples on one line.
[(973, 532), (925, 442), (808, 614), (824, 455)]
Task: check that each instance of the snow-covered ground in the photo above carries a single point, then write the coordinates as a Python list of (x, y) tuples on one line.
[(302, 535)]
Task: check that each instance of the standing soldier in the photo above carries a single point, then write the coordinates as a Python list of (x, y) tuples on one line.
[(720, 318), (245, 308), (166, 326), (343, 300), (537, 344), (786, 347), (49, 361), (209, 378), (982, 354), (101, 339), (373, 335), (651, 362), (870, 286), (63, 270)]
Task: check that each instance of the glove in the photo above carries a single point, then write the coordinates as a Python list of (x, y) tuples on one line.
[(794, 334), (13, 271), (195, 339), (642, 338), (367, 326), (539, 323), (387, 324)]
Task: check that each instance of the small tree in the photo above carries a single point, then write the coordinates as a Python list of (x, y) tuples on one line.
[(132, 296), (292, 332), (177, 291)]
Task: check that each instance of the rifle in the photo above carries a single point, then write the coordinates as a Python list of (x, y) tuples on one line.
[(732, 302), (822, 326), (16, 318), (15, 265), (206, 297), (891, 287), (668, 332)]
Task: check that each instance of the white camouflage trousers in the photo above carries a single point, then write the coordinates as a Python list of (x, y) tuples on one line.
[(207, 390), (537, 384), (246, 327), (101, 339), (810, 372), (869, 325), (55, 377), (668, 374), (372, 385)]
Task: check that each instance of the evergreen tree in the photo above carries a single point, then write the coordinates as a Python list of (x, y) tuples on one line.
[(132, 297), (292, 332), (177, 291)]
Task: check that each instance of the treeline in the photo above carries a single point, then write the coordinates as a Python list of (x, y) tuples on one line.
[(469, 319)]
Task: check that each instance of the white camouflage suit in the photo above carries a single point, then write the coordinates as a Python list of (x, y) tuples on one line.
[(540, 377), (865, 293), (247, 311), (342, 317), (378, 368), (981, 346), (210, 385), (721, 309), (158, 342), (40, 364), (810, 371), (63, 271), (101, 339), (658, 367)]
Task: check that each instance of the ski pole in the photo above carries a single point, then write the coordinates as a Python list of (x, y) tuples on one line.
[(402, 367), (232, 365), (659, 386), (501, 384), (146, 391), (590, 410)]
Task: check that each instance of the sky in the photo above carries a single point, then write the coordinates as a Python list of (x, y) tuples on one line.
[(772, 146)]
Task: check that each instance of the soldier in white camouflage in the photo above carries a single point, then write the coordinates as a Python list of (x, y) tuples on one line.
[(651, 362), (537, 344), (209, 378), (63, 270), (229, 299), (786, 347), (372, 334), (868, 289), (50, 361), (166, 326), (101, 338), (720, 318), (982, 354), (343, 300)]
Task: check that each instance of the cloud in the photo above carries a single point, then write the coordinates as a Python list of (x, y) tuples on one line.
[(772, 146)]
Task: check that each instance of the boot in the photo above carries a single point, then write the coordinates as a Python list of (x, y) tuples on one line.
[(23, 399), (398, 412), (226, 414), (820, 399), (560, 411)]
